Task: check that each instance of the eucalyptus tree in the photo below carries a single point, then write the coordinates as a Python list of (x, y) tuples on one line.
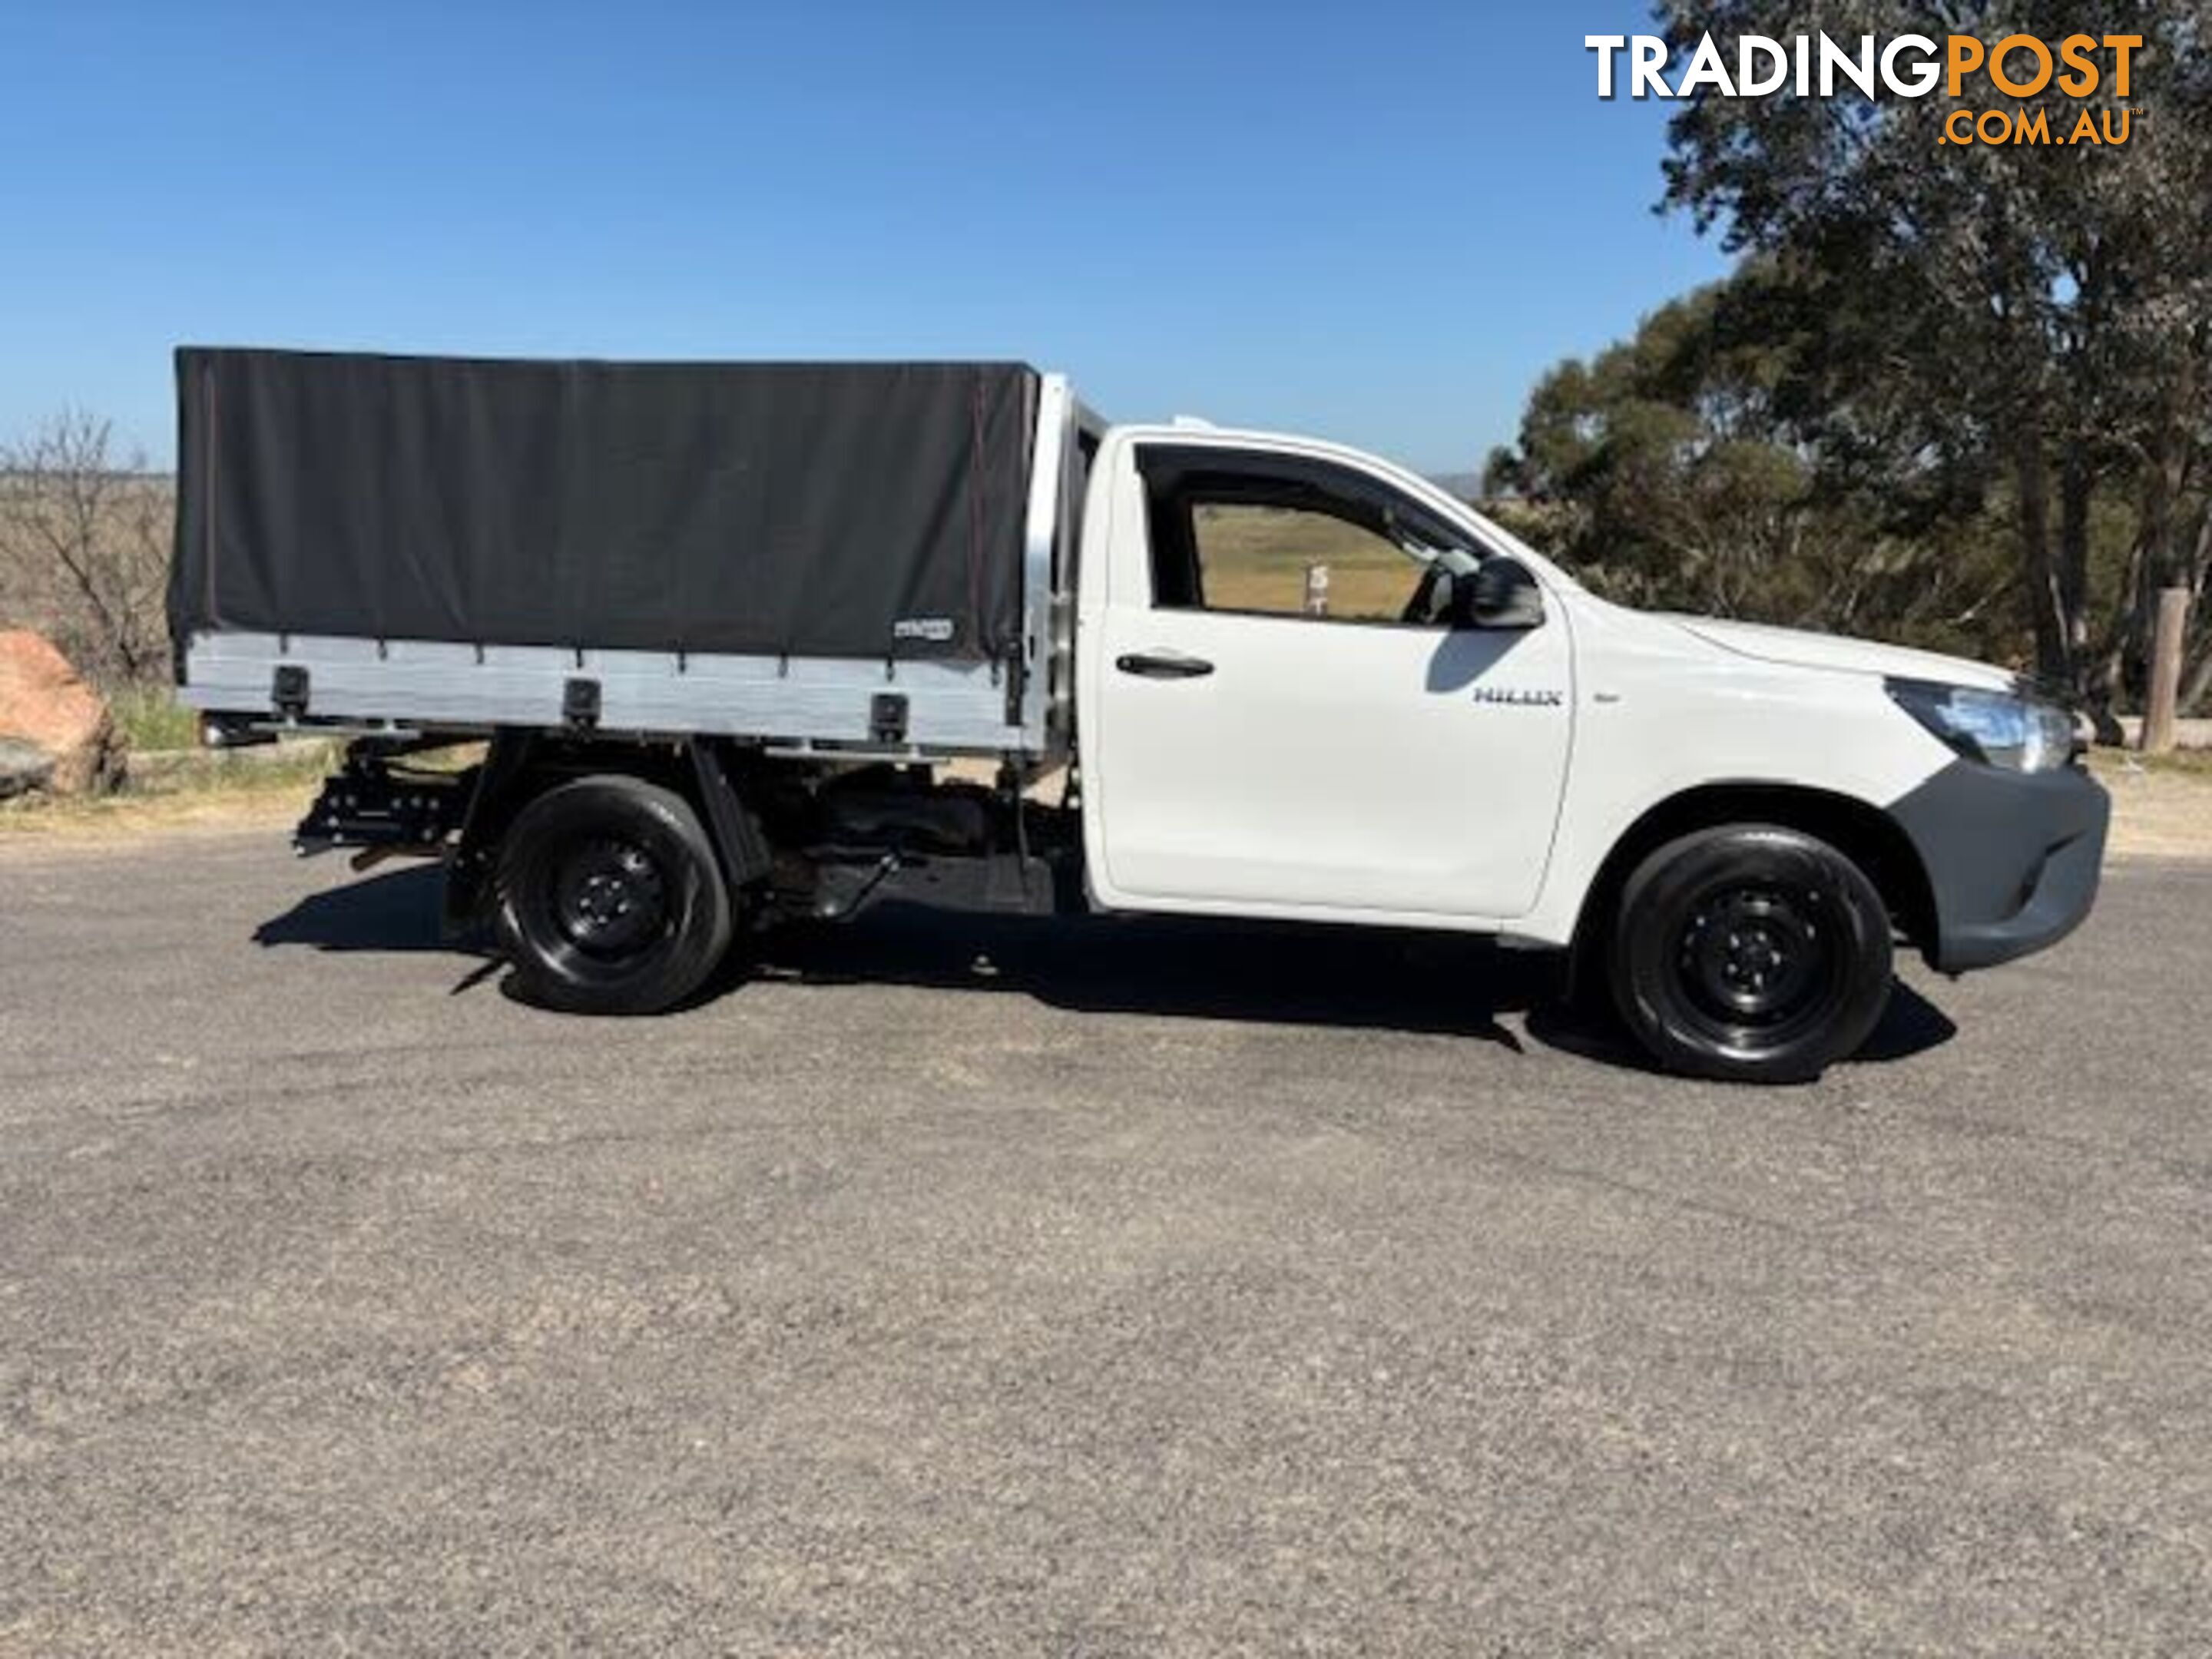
[(2043, 307)]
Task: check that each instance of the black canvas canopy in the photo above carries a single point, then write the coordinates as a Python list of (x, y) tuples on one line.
[(865, 510)]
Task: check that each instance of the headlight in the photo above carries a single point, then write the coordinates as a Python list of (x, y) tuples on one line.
[(2022, 734)]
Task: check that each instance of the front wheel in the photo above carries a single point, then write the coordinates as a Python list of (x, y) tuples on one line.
[(1750, 952), (611, 901)]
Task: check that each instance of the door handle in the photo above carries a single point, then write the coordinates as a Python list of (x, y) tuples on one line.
[(1163, 666)]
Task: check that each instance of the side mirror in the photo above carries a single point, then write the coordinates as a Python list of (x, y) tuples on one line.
[(1499, 592)]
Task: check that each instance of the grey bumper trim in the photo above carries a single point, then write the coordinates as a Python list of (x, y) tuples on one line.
[(2012, 860)]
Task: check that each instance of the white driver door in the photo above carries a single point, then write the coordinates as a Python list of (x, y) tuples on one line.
[(1244, 755)]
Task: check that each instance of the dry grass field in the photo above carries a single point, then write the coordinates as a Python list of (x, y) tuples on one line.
[(1255, 559)]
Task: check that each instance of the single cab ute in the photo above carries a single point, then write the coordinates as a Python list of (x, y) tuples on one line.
[(726, 627)]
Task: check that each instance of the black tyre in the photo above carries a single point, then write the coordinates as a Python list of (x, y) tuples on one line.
[(1750, 952), (611, 901)]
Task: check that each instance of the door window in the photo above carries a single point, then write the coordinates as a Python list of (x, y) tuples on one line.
[(1293, 561), (1281, 536)]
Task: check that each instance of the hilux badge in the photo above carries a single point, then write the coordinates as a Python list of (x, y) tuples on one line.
[(1519, 698)]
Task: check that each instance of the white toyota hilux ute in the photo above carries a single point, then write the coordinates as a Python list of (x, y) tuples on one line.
[(1243, 675), (1729, 820)]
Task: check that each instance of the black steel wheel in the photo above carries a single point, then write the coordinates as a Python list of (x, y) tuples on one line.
[(611, 899), (1750, 952)]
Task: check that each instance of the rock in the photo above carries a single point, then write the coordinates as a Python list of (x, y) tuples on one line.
[(45, 704), (23, 766)]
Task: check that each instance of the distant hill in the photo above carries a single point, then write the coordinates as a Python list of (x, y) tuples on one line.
[(1468, 486)]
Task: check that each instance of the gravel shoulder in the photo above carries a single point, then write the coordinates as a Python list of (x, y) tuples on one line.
[(2158, 811)]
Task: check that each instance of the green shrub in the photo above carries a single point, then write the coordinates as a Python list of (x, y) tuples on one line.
[(150, 718)]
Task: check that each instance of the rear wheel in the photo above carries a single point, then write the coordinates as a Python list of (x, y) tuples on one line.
[(611, 901), (1750, 952)]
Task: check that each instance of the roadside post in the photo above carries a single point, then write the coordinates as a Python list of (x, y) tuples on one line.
[(2159, 710), (1316, 590)]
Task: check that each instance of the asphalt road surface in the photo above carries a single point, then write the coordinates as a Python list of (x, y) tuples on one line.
[(1105, 1289)]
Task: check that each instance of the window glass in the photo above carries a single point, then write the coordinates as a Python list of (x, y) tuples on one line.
[(1291, 560), (1266, 534)]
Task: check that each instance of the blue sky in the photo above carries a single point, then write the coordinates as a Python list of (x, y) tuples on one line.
[(1375, 222)]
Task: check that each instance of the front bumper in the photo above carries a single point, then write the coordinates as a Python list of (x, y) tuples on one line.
[(2012, 859)]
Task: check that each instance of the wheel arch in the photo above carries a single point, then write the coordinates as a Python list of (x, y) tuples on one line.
[(1860, 830), (521, 765)]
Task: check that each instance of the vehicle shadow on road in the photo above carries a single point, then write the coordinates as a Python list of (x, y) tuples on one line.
[(1909, 1025), (401, 910), (1165, 967), (1440, 984), (1172, 967), (397, 910)]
